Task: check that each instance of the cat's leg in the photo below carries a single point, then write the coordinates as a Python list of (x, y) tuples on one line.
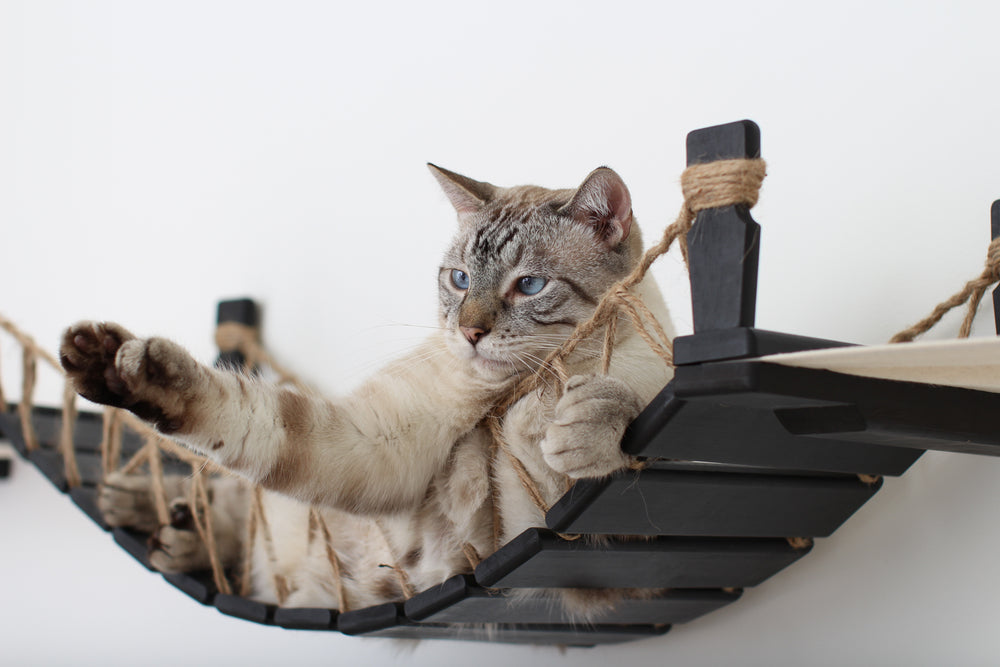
[(584, 438), (126, 500), (373, 452), (179, 547)]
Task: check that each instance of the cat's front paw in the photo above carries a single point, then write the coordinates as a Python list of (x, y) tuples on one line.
[(178, 547), (584, 439), (153, 378), (87, 353)]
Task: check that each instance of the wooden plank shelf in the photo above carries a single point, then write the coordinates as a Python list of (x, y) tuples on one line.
[(461, 600), (540, 558), (245, 608), (389, 620), (827, 405), (665, 502), (707, 430)]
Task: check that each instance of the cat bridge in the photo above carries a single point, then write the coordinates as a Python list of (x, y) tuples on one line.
[(746, 458)]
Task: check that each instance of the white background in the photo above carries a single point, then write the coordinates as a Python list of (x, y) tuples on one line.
[(156, 157)]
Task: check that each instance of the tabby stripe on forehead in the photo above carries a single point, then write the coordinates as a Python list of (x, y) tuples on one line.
[(506, 240), (579, 291), (538, 320)]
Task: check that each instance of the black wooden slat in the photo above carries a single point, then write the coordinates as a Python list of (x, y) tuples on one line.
[(742, 342), (10, 426), (135, 543), (539, 558), (85, 497), (888, 412), (660, 502), (245, 608), (196, 585), (708, 431), (306, 618), (460, 600), (387, 620)]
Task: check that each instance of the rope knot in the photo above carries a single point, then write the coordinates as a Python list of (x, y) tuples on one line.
[(722, 183)]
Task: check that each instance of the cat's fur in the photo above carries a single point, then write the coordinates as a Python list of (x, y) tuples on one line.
[(408, 447)]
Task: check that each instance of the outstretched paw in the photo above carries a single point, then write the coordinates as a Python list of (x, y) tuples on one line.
[(154, 378), (88, 353), (584, 439)]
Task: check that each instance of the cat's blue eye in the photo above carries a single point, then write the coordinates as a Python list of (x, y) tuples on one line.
[(531, 285), (460, 279)]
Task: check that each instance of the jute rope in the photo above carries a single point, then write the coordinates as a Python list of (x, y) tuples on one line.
[(401, 575), (236, 337), (69, 414), (317, 524), (972, 293), (201, 512), (258, 522)]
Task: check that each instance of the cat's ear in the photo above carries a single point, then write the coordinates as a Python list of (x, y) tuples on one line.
[(603, 203), (465, 194)]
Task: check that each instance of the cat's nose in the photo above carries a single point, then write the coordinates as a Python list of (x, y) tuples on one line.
[(473, 334)]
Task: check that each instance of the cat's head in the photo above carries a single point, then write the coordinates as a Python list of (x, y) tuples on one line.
[(528, 264)]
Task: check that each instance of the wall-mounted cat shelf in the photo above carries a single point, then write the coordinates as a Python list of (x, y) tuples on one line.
[(748, 462)]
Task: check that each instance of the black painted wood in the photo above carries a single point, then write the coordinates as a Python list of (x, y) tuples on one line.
[(240, 311), (10, 426), (539, 558), (248, 610), (85, 498), (730, 141), (199, 586), (742, 342), (994, 233), (388, 620), (724, 243), (882, 412), (674, 429), (461, 600), (135, 543), (306, 618), (49, 462), (660, 502)]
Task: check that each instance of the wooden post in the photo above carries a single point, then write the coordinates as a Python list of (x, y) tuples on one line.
[(723, 243), (994, 233)]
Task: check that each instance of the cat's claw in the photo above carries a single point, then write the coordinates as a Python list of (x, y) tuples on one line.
[(584, 439)]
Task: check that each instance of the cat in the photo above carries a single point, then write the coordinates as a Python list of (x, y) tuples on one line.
[(409, 448)]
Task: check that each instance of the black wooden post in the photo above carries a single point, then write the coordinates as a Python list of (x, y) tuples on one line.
[(724, 243), (724, 248), (239, 311), (994, 233)]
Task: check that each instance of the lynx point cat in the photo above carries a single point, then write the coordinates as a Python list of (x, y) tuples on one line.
[(408, 448)]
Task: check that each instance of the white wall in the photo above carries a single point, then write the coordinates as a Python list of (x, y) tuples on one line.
[(155, 157)]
